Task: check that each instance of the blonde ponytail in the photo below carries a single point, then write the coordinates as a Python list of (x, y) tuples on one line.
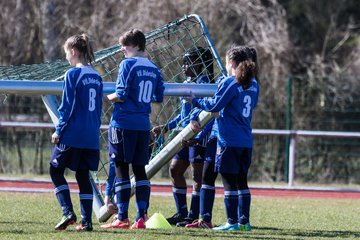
[(83, 45)]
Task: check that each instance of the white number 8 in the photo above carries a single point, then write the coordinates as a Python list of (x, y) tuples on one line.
[(92, 95)]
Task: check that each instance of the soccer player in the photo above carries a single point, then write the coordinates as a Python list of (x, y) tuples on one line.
[(76, 137), (209, 175), (195, 60), (109, 190), (235, 99), (244, 191), (139, 82), (207, 191)]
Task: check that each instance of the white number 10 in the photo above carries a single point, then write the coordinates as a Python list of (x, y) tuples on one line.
[(145, 91)]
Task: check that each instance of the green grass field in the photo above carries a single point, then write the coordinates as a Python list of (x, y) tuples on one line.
[(33, 216)]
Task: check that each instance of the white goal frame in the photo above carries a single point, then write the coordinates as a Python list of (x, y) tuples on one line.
[(49, 89)]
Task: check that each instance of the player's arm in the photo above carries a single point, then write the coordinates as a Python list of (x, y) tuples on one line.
[(122, 85), (206, 130), (66, 107), (195, 126), (223, 95), (159, 89), (194, 123), (157, 130)]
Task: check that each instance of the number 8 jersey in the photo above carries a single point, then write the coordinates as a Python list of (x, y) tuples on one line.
[(139, 82), (81, 108)]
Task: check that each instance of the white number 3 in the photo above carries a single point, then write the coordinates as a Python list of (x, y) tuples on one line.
[(247, 109)]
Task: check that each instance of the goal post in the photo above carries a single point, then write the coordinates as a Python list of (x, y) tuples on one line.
[(166, 47), (154, 166), (160, 159)]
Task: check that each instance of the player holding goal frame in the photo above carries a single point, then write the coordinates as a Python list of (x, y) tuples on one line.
[(235, 99), (76, 137), (198, 69), (139, 83)]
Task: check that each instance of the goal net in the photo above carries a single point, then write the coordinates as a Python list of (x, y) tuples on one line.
[(166, 46)]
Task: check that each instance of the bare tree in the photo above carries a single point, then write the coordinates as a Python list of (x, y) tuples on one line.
[(50, 14)]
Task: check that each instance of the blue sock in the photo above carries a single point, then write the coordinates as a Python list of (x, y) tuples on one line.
[(207, 196), (244, 206), (122, 191), (142, 193), (63, 196), (194, 205), (180, 201), (231, 201), (86, 202)]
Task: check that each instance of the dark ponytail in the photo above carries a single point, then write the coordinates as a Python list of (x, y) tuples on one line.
[(89, 53), (253, 57), (244, 73)]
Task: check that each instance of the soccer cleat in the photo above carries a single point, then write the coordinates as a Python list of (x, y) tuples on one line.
[(86, 227), (66, 220), (139, 224), (186, 221), (245, 227), (176, 218), (116, 223), (227, 227), (199, 224)]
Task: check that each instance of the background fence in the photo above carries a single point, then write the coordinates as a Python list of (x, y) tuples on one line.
[(319, 159), (328, 102)]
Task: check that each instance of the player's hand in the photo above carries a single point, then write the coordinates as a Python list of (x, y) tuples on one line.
[(195, 126), (215, 114), (55, 138), (113, 98), (189, 98), (159, 129), (189, 143)]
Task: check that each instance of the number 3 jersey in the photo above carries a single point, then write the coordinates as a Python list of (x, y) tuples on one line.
[(81, 108), (235, 106), (139, 82)]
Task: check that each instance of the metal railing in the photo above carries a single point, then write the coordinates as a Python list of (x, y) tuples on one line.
[(293, 134)]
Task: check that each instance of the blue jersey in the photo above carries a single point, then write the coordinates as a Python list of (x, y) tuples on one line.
[(81, 108), (186, 108), (235, 106), (212, 126), (139, 82)]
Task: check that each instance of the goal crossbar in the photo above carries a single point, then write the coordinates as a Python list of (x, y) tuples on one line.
[(25, 87)]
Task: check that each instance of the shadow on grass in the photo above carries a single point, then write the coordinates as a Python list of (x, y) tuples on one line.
[(13, 231), (305, 233), (183, 233), (23, 222), (256, 233)]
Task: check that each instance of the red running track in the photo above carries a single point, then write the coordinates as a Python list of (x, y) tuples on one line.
[(11, 185)]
